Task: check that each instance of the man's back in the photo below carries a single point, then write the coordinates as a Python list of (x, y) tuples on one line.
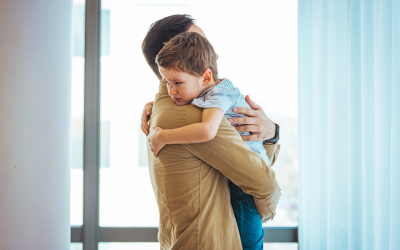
[(193, 197)]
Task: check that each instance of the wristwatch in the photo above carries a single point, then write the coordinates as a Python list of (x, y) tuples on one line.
[(275, 139)]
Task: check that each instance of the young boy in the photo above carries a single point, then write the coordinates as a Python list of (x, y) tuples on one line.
[(188, 65)]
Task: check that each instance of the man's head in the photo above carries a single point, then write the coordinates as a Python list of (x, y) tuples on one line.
[(188, 64), (161, 32)]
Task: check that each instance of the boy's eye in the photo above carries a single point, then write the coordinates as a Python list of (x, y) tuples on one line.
[(178, 82)]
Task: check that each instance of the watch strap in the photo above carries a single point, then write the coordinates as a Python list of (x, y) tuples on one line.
[(276, 138)]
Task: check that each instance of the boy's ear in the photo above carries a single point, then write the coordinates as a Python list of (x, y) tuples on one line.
[(207, 77)]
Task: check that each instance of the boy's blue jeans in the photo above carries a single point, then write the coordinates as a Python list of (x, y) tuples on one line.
[(247, 218)]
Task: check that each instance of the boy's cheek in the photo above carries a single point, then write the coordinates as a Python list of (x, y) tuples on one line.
[(188, 95)]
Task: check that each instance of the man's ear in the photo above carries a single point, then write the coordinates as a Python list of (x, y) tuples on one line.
[(207, 77)]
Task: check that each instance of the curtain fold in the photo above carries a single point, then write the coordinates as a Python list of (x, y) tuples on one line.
[(349, 124)]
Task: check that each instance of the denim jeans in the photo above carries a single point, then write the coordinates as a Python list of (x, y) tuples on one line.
[(247, 218)]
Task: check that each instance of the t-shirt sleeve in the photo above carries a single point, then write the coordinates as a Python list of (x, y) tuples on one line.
[(214, 100)]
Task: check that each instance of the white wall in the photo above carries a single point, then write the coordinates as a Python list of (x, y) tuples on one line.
[(35, 65)]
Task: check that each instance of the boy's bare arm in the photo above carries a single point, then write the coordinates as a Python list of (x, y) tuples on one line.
[(193, 133)]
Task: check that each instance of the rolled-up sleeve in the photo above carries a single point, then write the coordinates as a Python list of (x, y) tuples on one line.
[(272, 152)]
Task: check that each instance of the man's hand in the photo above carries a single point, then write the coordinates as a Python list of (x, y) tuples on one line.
[(257, 122), (145, 117), (155, 143)]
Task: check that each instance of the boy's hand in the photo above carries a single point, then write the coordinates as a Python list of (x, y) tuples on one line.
[(145, 117), (155, 143), (257, 122)]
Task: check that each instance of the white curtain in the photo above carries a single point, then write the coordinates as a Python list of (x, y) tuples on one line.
[(349, 111)]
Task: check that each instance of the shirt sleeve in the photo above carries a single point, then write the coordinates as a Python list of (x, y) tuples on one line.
[(272, 152), (230, 155), (215, 99)]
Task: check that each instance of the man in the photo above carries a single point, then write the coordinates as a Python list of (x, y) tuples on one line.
[(189, 180)]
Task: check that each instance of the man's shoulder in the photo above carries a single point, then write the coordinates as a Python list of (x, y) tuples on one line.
[(167, 115)]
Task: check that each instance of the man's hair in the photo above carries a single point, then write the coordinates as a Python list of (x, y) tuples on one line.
[(189, 52), (161, 32)]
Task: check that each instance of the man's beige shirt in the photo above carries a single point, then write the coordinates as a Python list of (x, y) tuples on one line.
[(190, 181)]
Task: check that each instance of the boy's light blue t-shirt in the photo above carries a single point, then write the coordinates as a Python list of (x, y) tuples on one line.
[(226, 97)]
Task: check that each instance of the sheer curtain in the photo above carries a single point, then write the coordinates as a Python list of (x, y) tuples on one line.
[(349, 118)]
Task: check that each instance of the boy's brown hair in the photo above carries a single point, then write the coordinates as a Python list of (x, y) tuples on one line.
[(189, 52)]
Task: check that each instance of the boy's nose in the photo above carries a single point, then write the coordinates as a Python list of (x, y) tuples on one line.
[(172, 91)]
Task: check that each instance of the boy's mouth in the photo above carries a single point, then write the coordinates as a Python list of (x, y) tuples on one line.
[(177, 99)]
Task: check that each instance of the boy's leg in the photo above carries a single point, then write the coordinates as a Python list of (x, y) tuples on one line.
[(247, 218)]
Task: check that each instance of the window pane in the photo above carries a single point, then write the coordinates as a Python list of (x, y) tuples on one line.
[(76, 246), (257, 52), (77, 87)]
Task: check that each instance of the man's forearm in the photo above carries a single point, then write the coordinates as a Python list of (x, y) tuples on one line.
[(272, 152), (233, 158), (267, 211)]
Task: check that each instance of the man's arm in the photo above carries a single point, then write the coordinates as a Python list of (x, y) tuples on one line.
[(232, 157), (272, 152)]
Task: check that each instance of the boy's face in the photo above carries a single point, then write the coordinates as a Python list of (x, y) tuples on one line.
[(182, 87)]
